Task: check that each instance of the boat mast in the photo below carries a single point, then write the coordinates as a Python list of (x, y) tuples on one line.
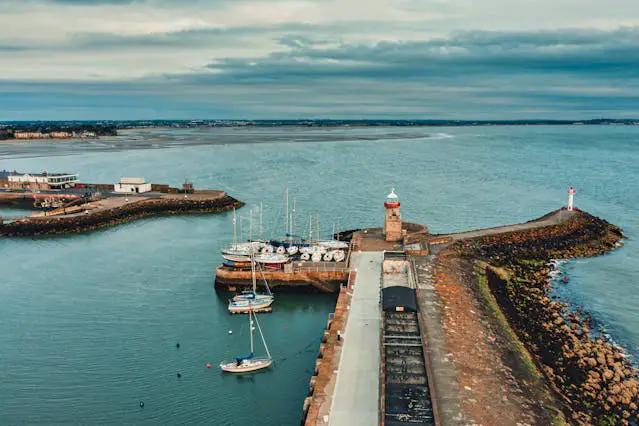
[(250, 225), (260, 220), (339, 224), (251, 313), (262, 336), (310, 228), (290, 234), (253, 272), (294, 219), (234, 228), (268, 289), (333, 234), (286, 232), (317, 228)]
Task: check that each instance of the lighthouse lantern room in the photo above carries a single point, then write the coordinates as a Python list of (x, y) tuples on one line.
[(393, 219)]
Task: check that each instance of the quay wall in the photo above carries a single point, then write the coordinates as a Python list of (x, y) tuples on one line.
[(102, 218), (317, 403), (592, 377), (17, 199), (227, 279)]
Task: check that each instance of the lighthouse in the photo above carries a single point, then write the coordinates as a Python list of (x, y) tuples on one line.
[(393, 219), (571, 198)]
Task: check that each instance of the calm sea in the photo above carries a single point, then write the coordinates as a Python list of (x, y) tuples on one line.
[(89, 323)]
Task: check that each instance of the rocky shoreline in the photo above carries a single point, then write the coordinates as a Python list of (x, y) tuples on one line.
[(592, 378), (92, 221)]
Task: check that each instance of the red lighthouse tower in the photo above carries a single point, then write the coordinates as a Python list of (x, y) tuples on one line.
[(393, 219)]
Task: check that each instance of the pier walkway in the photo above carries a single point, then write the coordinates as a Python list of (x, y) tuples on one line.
[(356, 396), (553, 219)]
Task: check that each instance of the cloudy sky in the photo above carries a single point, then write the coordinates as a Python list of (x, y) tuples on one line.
[(431, 59)]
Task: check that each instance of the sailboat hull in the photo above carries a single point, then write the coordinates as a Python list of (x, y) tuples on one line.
[(253, 297), (245, 306), (236, 258), (246, 366)]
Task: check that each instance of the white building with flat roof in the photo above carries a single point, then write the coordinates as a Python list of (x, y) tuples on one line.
[(42, 180), (129, 185)]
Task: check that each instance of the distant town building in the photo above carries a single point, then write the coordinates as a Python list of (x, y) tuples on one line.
[(130, 185), (42, 181), (29, 135), (60, 135)]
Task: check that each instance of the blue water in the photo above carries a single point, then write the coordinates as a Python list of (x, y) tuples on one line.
[(88, 323), (10, 212)]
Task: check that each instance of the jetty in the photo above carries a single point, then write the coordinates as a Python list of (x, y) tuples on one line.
[(62, 205), (462, 328)]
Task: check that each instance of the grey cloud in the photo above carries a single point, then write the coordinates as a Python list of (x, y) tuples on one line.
[(607, 54), (567, 73), (94, 2)]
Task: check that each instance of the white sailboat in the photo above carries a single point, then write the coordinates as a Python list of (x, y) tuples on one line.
[(271, 258), (247, 303), (249, 363), (251, 295)]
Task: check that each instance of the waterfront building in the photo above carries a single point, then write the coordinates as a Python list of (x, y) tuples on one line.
[(129, 185), (42, 181), (29, 135), (60, 135), (393, 219)]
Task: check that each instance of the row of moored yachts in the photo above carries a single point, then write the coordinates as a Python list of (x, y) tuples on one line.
[(276, 253)]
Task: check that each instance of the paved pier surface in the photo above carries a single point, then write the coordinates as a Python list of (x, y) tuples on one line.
[(443, 378), (552, 219), (356, 396)]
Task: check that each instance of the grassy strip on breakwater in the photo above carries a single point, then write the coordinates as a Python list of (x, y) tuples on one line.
[(525, 359), (94, 220), (598, 384)]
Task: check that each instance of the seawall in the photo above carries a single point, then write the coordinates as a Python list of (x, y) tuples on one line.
[(311, 281), (591, 377), (317, 403), (98, 218)]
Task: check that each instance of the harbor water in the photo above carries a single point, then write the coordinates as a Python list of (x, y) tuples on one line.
[(89, 323)]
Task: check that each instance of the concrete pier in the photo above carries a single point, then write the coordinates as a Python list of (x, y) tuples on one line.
[(85, 215), (356, 397), (476, 368), (324, 277)]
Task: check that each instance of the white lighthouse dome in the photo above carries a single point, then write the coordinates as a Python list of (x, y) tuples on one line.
[(392, 195)]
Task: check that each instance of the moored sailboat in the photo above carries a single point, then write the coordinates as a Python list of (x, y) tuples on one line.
[(251, 301), (249, 363)]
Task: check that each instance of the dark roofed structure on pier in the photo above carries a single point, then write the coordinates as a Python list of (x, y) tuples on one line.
[(399, 299)]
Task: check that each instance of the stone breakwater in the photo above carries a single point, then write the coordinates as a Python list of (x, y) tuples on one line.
[(103, 218), (592, 377)]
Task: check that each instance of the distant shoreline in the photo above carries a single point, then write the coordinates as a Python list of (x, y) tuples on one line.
[(117, 126), (179, 124), (47, 139)]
